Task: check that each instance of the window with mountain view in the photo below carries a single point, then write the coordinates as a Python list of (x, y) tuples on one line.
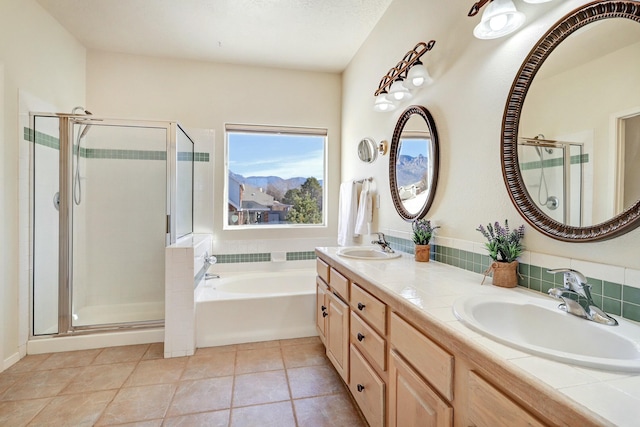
[(274, 176)]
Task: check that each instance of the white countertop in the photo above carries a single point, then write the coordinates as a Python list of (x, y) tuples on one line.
[(433, 287)]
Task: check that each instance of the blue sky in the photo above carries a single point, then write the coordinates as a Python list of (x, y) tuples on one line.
[(413, 147), (286, 156)]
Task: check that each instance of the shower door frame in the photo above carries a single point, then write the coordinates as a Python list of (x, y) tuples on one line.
[(65, 240)]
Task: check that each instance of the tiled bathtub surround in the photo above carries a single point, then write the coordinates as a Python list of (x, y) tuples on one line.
[(615, 289)]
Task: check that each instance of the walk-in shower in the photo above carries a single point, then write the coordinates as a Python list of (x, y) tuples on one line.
[(122, 190), (552, 172)]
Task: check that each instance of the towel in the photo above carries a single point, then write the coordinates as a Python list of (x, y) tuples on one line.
[(365, 210), (346, 213)]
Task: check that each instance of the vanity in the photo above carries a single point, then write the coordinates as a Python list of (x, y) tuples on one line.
[(390, 332)]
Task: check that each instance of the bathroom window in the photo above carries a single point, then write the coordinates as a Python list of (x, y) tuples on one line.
[(274, 176)]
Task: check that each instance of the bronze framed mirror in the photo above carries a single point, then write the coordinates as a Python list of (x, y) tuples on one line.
[(414, 161), (570, 144)]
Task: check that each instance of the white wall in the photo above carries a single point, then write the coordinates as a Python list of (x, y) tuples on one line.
[(472, 81), (206, 96), (40, 57)]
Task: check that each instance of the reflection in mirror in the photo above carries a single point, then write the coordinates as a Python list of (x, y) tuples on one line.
[(571, 172), (413, 164), (367, 150), (571, 131)]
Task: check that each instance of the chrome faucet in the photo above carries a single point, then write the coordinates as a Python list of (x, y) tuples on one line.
[(576, 297), (209, 260), (384, 245)]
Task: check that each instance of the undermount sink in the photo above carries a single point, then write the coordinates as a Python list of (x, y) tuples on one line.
[(537, 326), (371, 253)]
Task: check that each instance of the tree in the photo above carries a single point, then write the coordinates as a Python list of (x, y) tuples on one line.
[(306, 203)]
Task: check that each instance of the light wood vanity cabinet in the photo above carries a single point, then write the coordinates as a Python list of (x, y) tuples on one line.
[(400, 374), (332, 316)]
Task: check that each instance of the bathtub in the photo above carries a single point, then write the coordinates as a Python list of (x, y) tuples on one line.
[(258, 306)]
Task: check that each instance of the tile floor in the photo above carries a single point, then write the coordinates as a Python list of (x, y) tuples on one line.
[(275, 383)]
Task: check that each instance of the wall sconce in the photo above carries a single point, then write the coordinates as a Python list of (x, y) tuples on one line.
[(499, 18), (409, 73)]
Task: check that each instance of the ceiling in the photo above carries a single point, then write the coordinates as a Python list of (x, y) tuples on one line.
[(319, 35)]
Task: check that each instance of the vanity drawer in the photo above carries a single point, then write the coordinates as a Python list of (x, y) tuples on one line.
[(323, 270), (339, 284), (489, 407), (368, 340), (367, 389), (427, 358), (369, 308)]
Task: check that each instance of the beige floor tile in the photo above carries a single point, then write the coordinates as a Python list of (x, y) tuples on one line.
[(314, 381), (327, 411), (150, 423), (100, 377), (259, 360), (260, 387), (300, 341), (209, 394), (69, 359), (155, 351), (17, 414), (127, 353), (296, 356), (258, 345), (76, 410), (208, 419), (157, 371), (219, 365), (211, 351), (40, 384), (269, 415), (7, 380), (134, 404), (28, 363)]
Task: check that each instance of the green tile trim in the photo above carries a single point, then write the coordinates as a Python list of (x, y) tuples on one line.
[(301, 256), (614, 298), (101, 153), (558, 161), (242, 258)]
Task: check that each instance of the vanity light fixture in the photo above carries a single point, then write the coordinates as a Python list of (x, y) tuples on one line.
[(499, 18), (409, 73)]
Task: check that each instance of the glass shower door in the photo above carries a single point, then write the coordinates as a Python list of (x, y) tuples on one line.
[(119, 224)]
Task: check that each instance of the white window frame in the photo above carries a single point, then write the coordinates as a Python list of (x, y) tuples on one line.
[(271, 130)]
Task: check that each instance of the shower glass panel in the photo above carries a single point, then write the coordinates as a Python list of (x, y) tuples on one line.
[(552, 173), (184, 184), (118, 224), (45, 154), (107, 197)]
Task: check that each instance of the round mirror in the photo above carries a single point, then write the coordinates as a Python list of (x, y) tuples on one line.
[(413, 163), (367, 150), (571, 130)]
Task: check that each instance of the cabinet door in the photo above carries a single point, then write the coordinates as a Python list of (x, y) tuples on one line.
[(322, 310), (337, 334), (412, 403), (489, 407)]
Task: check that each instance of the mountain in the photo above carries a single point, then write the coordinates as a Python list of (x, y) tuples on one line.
[(410, 170), (273, 185)]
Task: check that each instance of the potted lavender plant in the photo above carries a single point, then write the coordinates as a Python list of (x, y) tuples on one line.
[(422, 233), (504, 246)]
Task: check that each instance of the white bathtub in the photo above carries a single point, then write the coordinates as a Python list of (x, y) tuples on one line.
[(250, 307)]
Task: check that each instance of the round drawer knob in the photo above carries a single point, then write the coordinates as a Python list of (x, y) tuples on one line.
[(361, 306), (360, 388), (325, 314), (360, 336), (323, 308)]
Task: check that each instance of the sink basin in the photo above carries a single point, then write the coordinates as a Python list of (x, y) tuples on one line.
[(371, 253), (537, 326)]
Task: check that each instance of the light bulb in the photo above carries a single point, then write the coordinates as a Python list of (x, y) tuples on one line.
[(418, 75), (398, 91), (498, 22), (383, 103), (499, 19)]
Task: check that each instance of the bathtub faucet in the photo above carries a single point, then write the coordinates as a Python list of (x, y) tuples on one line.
[(209, 260)]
